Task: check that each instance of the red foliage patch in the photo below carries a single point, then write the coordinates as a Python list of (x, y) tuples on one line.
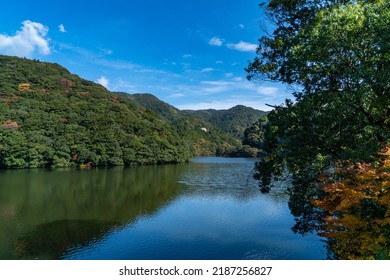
[(11, 125), (67, 83)]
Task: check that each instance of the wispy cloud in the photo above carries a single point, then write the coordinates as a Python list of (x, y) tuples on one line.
[(103, 81), (26, 42), (204, 70), (176, 95), (269, 91), (225, 104), (125, 86), (187, 69), (99, 59), (187, 55), (126, 65), (237, 84), (116, 64), (61, 28), (216, 41), (243, 47), (242, 26)]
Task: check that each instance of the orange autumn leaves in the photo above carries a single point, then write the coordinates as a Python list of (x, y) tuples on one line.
[(357, 203)]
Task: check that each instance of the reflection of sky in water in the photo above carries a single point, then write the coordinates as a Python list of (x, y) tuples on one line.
[(220, 214)]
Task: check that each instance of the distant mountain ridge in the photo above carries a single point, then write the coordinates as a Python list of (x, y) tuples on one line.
[(149, 101), (204, 136), (235, 125), (233, 121)]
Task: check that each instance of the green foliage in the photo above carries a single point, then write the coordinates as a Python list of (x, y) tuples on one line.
[(203, 137), (51, 118), (61, 120), (254, 135), (336, 54), (151, 102), (233, 121)]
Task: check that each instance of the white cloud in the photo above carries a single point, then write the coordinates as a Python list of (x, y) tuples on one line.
[(187, 55), (103, 81), (188, 70), (124, 65), (269, 91), (176, 95), (216, 41), (242, 26), (224, 104), (219, 62), (61, 28), (124, 86), (186, 66), (30, 39), (237, 84), (243, 47)]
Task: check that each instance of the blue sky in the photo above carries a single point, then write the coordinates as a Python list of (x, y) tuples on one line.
[(191, 54)]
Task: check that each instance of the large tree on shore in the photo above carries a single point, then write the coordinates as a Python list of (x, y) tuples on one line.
[(336, 56)]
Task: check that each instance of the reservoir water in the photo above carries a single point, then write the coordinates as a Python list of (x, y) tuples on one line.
[(209, 208)]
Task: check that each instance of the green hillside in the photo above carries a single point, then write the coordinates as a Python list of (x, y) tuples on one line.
[(151, 102), (52, 118), (233, 121), (203, 138)]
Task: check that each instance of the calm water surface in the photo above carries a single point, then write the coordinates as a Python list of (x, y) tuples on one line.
[(210, 208)]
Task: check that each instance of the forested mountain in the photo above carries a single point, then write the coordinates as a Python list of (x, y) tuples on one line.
[(205, 138), (52, 118), (49, 117), (149, 101), (233, 121)]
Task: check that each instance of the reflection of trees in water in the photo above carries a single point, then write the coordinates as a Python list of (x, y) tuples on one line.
[(52, 240), (352, 214), (57, 210), (357, 223)]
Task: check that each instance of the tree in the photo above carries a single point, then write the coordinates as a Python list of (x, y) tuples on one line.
[(336, 56), (253, 135)]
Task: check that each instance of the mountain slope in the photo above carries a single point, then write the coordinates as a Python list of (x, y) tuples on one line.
[(163, 109), (233, 121), (202, 137), (49, 117)]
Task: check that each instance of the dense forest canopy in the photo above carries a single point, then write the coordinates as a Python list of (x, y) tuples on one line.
[(206, 136), (334, 135), (233, 121), (49, 117), (52, 118)]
